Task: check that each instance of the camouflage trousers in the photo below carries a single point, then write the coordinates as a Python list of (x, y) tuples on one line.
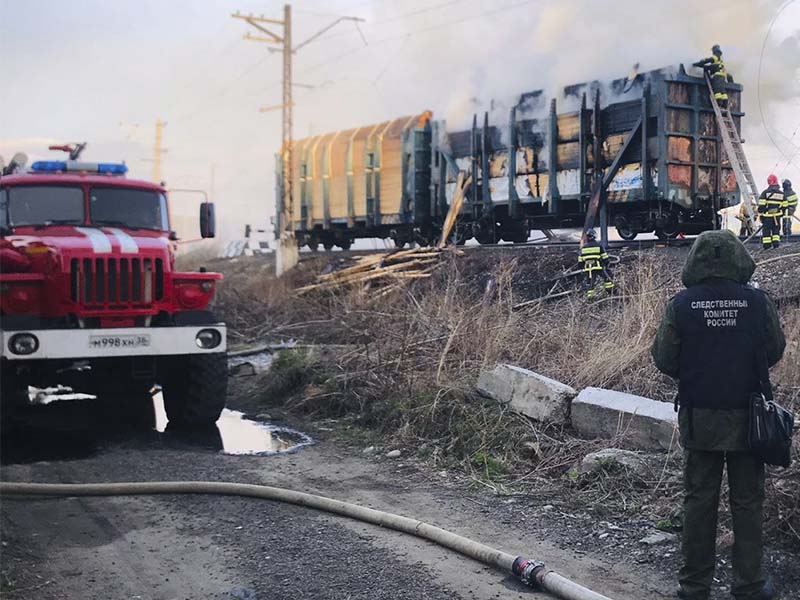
[(702, 481)]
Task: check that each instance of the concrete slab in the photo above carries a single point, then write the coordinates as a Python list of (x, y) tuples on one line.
[(642, 422), (529, 393)]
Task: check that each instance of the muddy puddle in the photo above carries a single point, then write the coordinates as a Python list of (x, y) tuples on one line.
[(236, 434)]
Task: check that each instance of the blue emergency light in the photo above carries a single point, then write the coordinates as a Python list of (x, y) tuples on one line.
[(112, 168), (49, 166), (55, 166)]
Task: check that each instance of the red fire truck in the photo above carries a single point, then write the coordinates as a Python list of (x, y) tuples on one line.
[(90, 297)]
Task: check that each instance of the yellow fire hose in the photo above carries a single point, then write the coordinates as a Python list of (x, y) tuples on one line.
[(530, 572)]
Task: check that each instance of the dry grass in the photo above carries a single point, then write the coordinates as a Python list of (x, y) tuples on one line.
[(406, 367)]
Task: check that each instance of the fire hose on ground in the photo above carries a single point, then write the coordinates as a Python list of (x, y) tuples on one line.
[(532, 573)]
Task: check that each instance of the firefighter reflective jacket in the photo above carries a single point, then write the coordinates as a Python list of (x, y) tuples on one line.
[(593, 256), (790, 201), (770, 203), (715, 66)]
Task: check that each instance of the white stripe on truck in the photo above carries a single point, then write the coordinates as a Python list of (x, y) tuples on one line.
[(99, 240), (126, 243)]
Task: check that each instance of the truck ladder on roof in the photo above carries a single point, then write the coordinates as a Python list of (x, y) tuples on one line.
[(733, 148)]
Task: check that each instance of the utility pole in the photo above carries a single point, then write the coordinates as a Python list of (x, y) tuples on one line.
[(157, 151), (213, 181), (287, 252)]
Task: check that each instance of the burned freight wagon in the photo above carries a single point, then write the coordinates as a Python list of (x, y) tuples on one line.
[(648, 146)]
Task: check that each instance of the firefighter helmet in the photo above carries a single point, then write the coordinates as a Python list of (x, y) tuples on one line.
[(772, 180), (787, 185), (716, 50), (590, 235)]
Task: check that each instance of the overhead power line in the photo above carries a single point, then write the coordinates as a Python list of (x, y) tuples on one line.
[(758, 80), (287, 245), (433, 27)]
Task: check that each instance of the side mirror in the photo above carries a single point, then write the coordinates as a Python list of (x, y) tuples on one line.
[(208, 225)]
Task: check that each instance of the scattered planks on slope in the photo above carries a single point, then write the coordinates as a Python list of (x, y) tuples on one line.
[(375, 270)]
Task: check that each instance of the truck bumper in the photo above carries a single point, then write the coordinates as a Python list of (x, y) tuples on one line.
[(104, 343)]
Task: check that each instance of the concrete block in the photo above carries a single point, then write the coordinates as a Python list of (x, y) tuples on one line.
[(642, 422), (529, 393)]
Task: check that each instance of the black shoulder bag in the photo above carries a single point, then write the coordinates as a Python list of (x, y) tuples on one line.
[(771, 426)]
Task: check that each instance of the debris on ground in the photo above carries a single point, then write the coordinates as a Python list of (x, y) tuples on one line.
[(658, 537), (627, 459), (388, 272)]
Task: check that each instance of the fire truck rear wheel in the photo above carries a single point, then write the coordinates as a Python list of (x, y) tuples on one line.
[(194, 389)]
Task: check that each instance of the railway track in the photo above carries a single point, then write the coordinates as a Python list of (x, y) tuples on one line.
[(613, 245)]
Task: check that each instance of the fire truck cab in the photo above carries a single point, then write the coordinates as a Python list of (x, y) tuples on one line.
[(90, 297)]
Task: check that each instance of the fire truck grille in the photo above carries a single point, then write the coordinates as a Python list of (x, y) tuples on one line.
[(110, 283)]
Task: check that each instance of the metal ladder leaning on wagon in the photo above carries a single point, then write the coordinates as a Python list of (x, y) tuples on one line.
[(733, 146)]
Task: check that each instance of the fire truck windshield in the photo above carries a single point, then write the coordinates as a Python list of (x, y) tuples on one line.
[(41, 205), (124, 207)]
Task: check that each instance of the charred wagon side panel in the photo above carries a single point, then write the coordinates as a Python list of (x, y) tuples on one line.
[(647, 147), (652, 141)]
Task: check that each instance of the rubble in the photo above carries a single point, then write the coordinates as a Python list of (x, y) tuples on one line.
[(658, 537), (628, 459)]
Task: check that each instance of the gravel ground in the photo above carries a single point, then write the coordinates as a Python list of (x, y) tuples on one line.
[(211, 547), (216, 547)]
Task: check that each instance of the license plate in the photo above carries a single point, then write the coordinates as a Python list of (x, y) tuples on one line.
[(118, 341)]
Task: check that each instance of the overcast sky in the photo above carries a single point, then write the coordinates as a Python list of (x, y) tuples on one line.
[(104, 71)]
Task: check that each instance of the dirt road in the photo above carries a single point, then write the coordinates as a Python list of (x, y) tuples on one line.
[(214, 547)]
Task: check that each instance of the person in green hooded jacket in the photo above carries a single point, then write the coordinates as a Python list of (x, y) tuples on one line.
[(710, 339)]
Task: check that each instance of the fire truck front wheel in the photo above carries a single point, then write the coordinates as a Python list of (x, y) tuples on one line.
[(194, 389), (13, 396)]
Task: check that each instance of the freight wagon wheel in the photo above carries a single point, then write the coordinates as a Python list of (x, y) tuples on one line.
[(345, 244), (313, 246), (485, 237), (666, 234), (328, 245), (517, 237), (194, 389), (626, 233)]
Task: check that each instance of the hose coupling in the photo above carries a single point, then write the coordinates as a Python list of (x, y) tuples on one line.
[(530, 572)]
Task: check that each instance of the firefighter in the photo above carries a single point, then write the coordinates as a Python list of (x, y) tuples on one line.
[(746, 229), (789, 207), (594, 259), (770, 209), (715, 327), (715, 68)]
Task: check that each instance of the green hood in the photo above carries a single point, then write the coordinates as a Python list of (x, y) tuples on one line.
[(718, 255)]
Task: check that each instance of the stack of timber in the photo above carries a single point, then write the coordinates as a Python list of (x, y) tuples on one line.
[(383, 273)]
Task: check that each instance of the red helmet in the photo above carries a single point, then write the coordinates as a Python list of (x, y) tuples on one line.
[(772, 180)]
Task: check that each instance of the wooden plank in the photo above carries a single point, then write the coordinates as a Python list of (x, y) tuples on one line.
[(455, 207)]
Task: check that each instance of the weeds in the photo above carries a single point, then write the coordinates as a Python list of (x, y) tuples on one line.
[(406, 368)]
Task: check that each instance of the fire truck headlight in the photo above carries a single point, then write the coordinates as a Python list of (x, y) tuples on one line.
[(190, 295), (208, 338), (23, 343), (207, 286)]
